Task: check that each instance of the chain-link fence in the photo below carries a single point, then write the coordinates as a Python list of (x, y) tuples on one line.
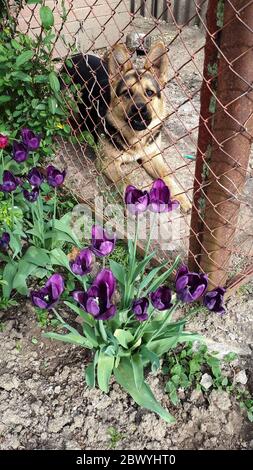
[(205, 107)]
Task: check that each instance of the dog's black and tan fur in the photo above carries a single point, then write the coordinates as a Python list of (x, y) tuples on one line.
[(129, 107)]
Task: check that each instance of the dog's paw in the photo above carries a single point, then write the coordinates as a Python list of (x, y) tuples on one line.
[(185, 204)]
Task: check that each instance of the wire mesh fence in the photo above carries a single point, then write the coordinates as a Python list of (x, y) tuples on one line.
[(200, 134)]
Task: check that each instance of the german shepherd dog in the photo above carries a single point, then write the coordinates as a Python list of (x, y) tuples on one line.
[(124, 110)]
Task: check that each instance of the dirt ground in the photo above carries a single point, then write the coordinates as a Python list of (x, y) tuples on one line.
[(45, 404)]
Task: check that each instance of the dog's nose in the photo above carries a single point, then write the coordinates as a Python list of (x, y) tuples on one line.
[(139, 108)]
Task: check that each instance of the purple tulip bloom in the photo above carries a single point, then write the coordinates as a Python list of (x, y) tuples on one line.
[(10, 182), (190, 286), (55, 177), (160, 200), (47, 297), (82, 264), (35, 177), (161, 298), (137, 201), (214, 300), (20, 151), (102, 243), (4, 242), (31, 140), (3, 141), (97, 299), (31, 196), (140, 308)]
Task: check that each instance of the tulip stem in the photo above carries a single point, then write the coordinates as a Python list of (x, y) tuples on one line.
[(140, 330), (151, 231), (12, 210), (102, 330)]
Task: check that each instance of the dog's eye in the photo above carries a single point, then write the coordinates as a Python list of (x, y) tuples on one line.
[(126, 93), (150, 92)]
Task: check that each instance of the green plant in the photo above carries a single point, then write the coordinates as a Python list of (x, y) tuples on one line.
[(187, 366), (30, 92), (114, 436)]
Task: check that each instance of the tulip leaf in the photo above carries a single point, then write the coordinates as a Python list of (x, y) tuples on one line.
[(161, 346), (37, 256), (164, 276), (88, 319), (25, 269), (9, 273), (24, 57), (90, 372), (118, 271), (137, 366), (104, 371), (124, 337), (144, 396), (150, 276), (141, 266), (47, 17), (149, 356), (73, 338)]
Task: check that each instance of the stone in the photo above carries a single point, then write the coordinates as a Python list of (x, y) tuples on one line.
[(206, 381), (241, 377)]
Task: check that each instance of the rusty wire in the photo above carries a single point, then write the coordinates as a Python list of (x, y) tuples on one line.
[(239, 244)]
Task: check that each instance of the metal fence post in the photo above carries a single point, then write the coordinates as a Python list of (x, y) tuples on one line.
[(226, 160)]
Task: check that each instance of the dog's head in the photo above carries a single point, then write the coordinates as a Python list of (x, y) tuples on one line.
[(136, 97)]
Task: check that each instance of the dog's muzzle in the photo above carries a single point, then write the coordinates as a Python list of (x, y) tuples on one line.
[(139, 118)]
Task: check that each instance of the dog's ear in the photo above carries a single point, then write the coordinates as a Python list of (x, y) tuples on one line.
[(157, 61), (119, 62)]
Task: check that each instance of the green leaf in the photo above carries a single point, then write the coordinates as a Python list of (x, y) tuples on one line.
[(118, 271), (37, 256), (149, 356), (53, 105), (104, 371), (137, 370), (150, 276), (54, 82), (9, 273), (71, 338), (144, 396), (47, 17), (4, 99), (24, 57), (124, 337), (161, 346), (141, 265), (33, 2), (90, 372), (164, 276), (25, 269)]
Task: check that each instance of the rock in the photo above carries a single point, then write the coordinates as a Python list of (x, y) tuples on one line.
[(241, 377), (7, 382), (220, 399), (206, 381), (57, 424), (197, 396)]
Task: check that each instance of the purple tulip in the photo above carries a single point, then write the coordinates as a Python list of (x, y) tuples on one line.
[(35, 177), (214, 300), (97, 299), (31, 140), (47, 297), (137, 201), (3, 141), (20, 151), (31, 196), (161, 298), (55, 177), (4, 242), (160, 200), (102, 243), (82, 264), (190, 286), (10, 182), (140, 308)]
